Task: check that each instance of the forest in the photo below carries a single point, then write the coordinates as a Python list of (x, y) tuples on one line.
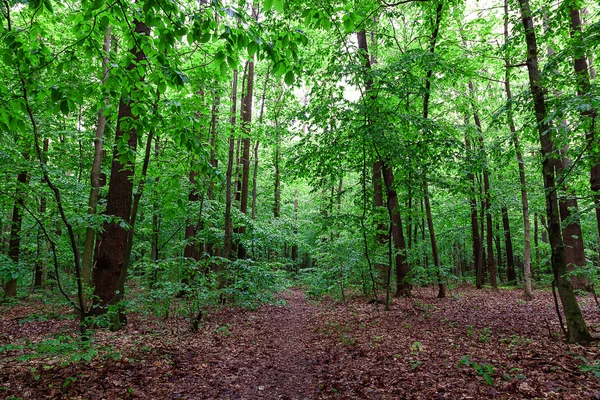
[(278, 199)]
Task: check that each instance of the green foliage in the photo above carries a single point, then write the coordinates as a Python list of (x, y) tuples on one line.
[(589, 367), (64, 348), (486, 371)]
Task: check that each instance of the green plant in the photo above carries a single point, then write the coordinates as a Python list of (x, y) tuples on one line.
[(486, 371), (515, 340), (376, 340), (347, 340), (485, 334), (589, 367), (469, 330), (223, 330), (416, 347)]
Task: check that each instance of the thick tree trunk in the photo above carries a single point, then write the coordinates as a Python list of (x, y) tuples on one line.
[(90, 233), (571, 230), (113, 243), (576, 328), (432, 237)]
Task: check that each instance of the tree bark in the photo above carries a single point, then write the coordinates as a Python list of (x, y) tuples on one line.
[(245, 159), (522, 179), (14, 244), (227, 241), (403, 287), (476, 237), (90, 233), (426, 97), (577, 330), (113, 245), (583, 78), (510, 258)]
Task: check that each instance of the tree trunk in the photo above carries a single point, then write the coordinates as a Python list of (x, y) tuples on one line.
[(227, 241), (576, 328), (571, 231), (277, 183), (245, 159), (295, 245), (583, 75), (522, 180), (497, 243), (511, 276), (475, 236), (113, 245), (90, 233), (191, 250), (403, 287), (41, 264), (491, 264), (14, 244)]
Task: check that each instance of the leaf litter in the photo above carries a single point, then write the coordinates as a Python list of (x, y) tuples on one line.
[(474, 344)]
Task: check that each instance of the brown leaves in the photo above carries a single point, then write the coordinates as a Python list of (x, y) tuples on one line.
[(327, 350)]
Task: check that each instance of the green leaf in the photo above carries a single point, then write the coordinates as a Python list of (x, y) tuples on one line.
[(348, 24), (488, 379), (64, 107), (223, 68), (279, 6), (289, 78), (268, 5), (252, 48)]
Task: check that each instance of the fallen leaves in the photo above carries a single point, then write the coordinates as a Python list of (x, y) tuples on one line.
[(309, 350)]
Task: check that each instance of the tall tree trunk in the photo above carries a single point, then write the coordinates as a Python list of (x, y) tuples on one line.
[(227, 241), (510, 258), (583, 78), (380, 268), (256, 145), (491, 264), (295, 245), (90, 233), (497, 242), (14, 244), (41, 263), (576, 328), (277, 183), (191, 250), (245, 159), (426, 97), (521, 166), (476, 237), (113, 245)]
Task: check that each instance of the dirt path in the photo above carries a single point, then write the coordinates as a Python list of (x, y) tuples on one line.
[(269, 354)]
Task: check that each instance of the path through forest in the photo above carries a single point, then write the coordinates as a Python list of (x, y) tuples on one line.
[(475, 344), (273, 356)]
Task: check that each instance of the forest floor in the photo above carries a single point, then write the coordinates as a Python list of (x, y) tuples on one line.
[(471, 345)]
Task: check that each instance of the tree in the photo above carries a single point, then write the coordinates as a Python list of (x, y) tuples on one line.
[(577, 331)]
